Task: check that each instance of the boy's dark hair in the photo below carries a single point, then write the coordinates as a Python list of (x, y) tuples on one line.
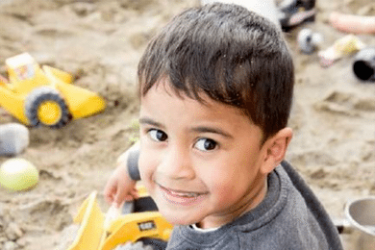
[(228, 53)]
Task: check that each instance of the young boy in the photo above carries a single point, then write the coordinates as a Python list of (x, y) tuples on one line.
[(216, 89)]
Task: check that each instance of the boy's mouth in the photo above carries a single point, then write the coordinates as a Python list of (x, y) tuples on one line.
[(180, 197), (182, 194)]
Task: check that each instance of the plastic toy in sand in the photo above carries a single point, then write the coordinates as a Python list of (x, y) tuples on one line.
[(342, 47), (137, 226), (364, 65), (309, 41), (18, 174), (44, 95), (14, 139), (352, 23), (295, 12)]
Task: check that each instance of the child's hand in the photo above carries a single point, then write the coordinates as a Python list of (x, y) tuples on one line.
[(120, 187)]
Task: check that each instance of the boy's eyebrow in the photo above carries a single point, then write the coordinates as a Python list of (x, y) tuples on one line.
[(204, 129), (198, 129), (149, 121)]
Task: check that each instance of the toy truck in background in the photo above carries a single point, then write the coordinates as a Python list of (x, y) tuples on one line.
[(44, 96)]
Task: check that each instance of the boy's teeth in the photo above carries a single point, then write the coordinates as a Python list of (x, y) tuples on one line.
[(184, 194)]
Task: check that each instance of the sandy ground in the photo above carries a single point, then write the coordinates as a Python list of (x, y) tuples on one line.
[(100, 42)]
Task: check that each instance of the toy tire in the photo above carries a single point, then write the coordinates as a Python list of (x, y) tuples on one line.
[(41, 95)]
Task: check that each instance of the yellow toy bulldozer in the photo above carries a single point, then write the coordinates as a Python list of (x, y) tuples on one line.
[(36, 95), (140, 222)]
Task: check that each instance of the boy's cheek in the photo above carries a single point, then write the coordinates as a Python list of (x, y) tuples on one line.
[(146, 169), (146, 179), (142, 165)]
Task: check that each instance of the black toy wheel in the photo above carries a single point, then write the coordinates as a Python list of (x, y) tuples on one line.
[(45, 106), (156, 244)]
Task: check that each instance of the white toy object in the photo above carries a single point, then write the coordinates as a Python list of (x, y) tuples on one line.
[(344, 46), (14, 139), (309, 41)]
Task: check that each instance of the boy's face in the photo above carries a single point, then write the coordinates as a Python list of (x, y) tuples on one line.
[(201, 163)]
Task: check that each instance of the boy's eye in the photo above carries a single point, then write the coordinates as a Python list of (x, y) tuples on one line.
[(205, 144), (157, 135)]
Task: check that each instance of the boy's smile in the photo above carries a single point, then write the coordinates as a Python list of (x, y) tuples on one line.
[(182, 198), (201, 163)]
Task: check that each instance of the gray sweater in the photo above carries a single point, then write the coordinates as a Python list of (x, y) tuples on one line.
[(290, 217)]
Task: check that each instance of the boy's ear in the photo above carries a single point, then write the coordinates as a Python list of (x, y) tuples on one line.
[(275, 148)]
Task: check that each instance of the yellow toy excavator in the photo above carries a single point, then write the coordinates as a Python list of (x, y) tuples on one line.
[(139, 222), (36, 95)]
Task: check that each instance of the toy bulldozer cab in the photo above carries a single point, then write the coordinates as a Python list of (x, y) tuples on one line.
[(36, 95)]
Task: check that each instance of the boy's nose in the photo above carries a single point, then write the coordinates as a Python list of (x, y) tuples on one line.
[(176, 164)]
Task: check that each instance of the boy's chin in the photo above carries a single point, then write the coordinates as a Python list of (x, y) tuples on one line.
[(178, 217)]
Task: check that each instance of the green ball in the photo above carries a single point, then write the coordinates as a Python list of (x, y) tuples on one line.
[(18, 174)]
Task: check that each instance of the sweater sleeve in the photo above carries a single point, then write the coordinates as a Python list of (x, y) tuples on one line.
[(132, 165)]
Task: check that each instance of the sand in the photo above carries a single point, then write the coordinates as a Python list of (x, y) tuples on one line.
[(100, 42)]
